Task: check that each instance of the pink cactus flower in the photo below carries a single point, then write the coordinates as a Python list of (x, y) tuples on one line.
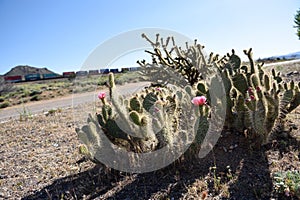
[(258, 89), (156, 109), (199, 101), (250, 91), (252, 97), (158, 89), (101, 95)]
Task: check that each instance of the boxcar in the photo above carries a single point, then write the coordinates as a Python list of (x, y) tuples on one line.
[(69, 74), (114, 70), (124, 69), (32, 77), (52, 75), (104, 71), (134, 68), (81, 73), (93, 72), (13, 79)]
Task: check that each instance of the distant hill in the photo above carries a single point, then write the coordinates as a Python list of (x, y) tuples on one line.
[(290, 56), (21, 70)]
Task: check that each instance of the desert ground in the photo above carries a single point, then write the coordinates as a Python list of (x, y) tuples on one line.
[(40, 159)]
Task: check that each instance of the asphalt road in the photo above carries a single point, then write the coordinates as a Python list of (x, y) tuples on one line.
[(282, 63), (62, 102)]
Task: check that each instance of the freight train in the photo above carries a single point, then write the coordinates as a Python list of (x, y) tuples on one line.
[(69, 74)]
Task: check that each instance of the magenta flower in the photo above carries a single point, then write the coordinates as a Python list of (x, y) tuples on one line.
[(101, 95), (156, 109), (252, 97), (199, 101), (250, 91), (258, 89)]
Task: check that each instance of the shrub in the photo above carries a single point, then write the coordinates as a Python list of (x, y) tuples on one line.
[(4, 104), (35, 98), (35, 92)]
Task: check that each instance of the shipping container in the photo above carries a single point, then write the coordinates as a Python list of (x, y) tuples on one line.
[(69, 74), (81, 73), (124, 69), (93, 72), (134, 68), (104, 71), (114, 70), (32, 77), (13, 79), (52, 75)]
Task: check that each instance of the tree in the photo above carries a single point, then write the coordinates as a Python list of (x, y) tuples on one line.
[(297, 22)]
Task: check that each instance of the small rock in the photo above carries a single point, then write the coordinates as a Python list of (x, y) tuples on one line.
[(55, 144)]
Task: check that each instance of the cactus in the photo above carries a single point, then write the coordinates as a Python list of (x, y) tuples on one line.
[(135, 104), (256, 102), (151, 120)]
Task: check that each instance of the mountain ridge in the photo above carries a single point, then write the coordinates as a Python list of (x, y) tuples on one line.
[(21, 70)]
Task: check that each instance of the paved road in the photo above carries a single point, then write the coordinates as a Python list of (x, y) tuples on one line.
[(62, 102), (282, 63)]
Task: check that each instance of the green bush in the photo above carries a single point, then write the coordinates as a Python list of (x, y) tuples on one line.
[(35, 98), (25, 93), (35, 92), (4, 104)]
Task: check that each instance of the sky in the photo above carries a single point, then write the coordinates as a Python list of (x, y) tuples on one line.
[(60, 35)]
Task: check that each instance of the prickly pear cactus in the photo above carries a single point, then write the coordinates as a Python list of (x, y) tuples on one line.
[(256, 102), (147, 121), (260, 101)]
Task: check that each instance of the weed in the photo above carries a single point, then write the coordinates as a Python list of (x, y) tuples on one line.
[(24, 114), (53, 111), (287, 183)]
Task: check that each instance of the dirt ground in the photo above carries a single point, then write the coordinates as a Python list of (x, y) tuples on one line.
[(39, 159)]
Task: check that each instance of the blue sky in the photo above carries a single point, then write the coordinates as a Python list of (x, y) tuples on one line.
[(60, 35)]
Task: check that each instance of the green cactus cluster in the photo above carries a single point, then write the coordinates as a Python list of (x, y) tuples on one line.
[(255, 102), (144, 122), (260, 100)]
